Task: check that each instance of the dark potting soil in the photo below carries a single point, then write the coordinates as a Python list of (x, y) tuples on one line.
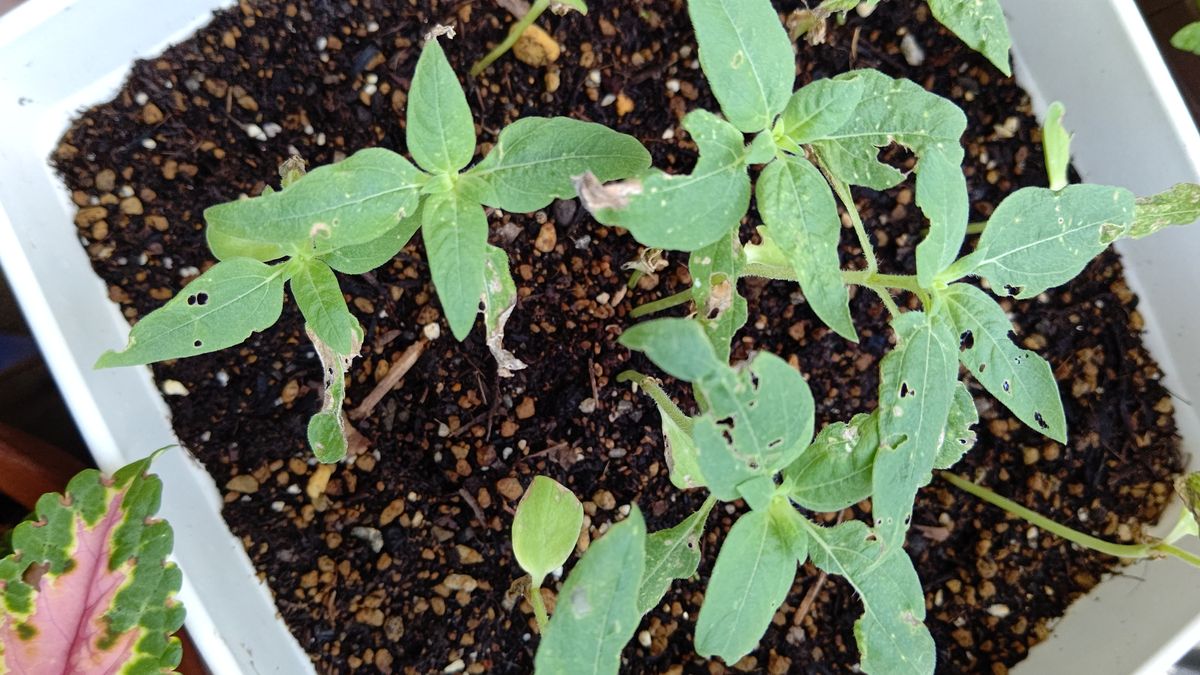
[(399, 559)]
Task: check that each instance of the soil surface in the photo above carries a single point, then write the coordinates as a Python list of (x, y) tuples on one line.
[(402, 563)]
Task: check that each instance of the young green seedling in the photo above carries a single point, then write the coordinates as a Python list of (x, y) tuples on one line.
[(356, 215), (545, 529), (88, 587), (752, 438), (1188, 38)]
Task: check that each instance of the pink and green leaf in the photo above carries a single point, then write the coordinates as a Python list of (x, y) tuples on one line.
[(88, 588)]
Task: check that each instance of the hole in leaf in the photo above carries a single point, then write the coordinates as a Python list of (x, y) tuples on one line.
[(753, 464), (982, 367), (198, 344), (1012, 290), (201, 298), (906, 391), (1005, 386), (775, 444), (966, 340), (1037, 416)]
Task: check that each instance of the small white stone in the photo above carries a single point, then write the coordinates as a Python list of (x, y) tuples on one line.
[(999, 611), (174, 388), (432, 331), (593, 78), (271, 129), (256, 132), (141, 98), (277, 507), (149, 144), (673, 86), (456, 667), (372, 27), (222, 378), (188, 271), (370, 90), (588, 406), (372, 78), (125, 192), (321, 138), (293, 489), (608, 100), (644, 638), (911, 50), (322, 43)]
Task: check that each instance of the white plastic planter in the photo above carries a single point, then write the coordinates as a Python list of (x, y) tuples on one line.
[(56, 56)]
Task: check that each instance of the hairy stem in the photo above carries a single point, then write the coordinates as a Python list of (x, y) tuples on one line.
[(842, 190), (1069, 533), (514, 34), (661, 304), (660, 397), (539, 607)]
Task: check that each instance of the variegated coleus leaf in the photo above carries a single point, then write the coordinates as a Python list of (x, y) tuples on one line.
[(88, 588)]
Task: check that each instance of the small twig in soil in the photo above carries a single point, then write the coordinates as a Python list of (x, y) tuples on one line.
[(809, 598), (592, 377), (390, 381), (475, 508)]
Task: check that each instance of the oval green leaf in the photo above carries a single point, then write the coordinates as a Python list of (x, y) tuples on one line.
[(545, 528)]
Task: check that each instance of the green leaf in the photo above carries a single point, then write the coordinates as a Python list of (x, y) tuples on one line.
[(834, 472), (363, 258), (766, 410), (672, 554), (1038, 238), (682, 455), (721, 310), (320, 300), (677, 346), (440, 131), (499, 299), (545, 528), (89, 587), (1178, 206), (901, 111), (747, 57), (891, 633), (819, 109), (798, 208), (682, 212), (597, 610), (980, 24), (357, 200), (916, 390), (328, 435), (959, 438), (455, 231), (1057, 143), (1188, 38), (218, 309), (751, 578), (790, 527), (1020, 379), (535, 158)]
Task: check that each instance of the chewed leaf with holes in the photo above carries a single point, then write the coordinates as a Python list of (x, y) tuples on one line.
[(1178, 206), (89, 588), (218, 309), (747, 58), (916, 391), (720, 309), (901, 111), (891, 633), (751, 578), (1038, 238), (682, 212), (980, 24), (327, 430), (352, 202), (499, 299), (834, 472), (535, 158), (597, 609), (959, 437), (1018, 378), (671, 554), (760, 418)]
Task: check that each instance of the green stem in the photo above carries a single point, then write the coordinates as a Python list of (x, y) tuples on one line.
[(842, 190), (661, 304), (539, 607), (635, 278), (1068, 533), (660, 397), (514, 34), (976, 228)]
